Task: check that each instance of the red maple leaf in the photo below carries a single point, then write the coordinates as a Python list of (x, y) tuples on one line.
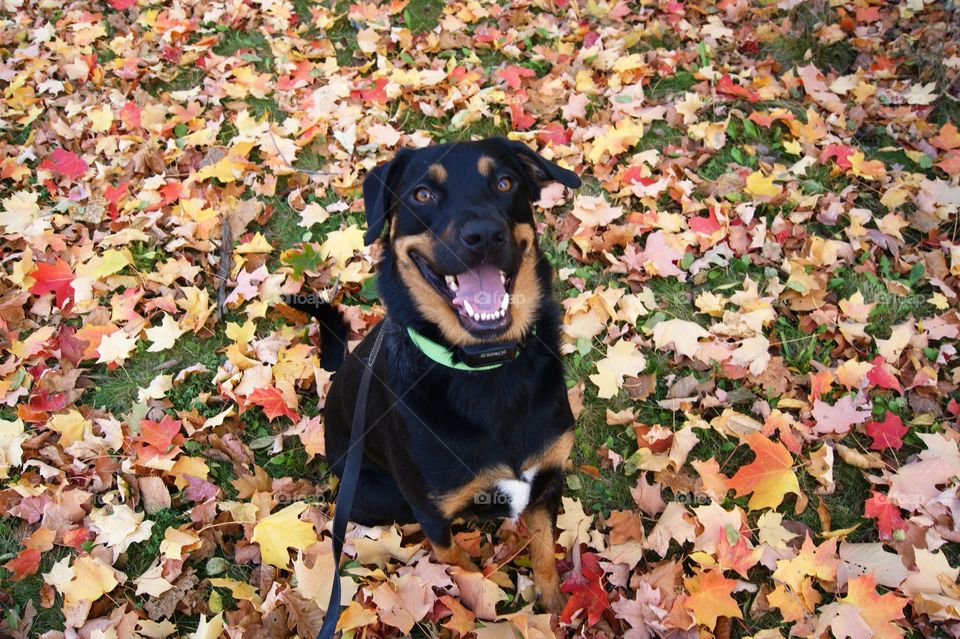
[(57, 278), (120, 5), (881, 375), (76, 537), (586, 591), (521, 119), (888, 433), (555, 133), (726, 86), (272, 402), (160, 435), (65, 163), (838, 151), (24, 564), (886, 513), (513, 75)]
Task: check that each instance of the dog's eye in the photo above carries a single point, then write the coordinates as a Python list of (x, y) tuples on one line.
[(504, 184), (423, 195)]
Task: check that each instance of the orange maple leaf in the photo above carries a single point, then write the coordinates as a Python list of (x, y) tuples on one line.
[(710, 598), (769, 477), (879, 611)]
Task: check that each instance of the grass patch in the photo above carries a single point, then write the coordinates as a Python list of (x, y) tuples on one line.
[(186, 79), (254, 42), (28, 589), (665, 87), (611, 490), (421, 16), (141, 555), (116, 390)]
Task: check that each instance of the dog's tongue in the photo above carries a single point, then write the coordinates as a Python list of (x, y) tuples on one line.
[(482, 287)]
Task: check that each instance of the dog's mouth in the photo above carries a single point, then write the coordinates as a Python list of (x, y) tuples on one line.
[(480, 295)]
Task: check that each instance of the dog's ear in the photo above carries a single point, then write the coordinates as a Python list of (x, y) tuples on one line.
[(377, 197), (541, 170)]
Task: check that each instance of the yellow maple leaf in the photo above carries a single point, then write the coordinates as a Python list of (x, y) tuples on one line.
[(241, 333), (227, 169), (342, 244), (282, 530), (622, 359), (616, 140), (165, 335), (762, 186), (176, 541), (91, 580), (72, 426)]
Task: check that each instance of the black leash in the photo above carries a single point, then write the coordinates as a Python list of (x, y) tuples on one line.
[(348, 486)]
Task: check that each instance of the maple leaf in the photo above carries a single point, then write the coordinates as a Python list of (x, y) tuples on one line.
[(56, 277), (888, 433), (682, 334), (91, 579), (839, 417), (65, 163), (273, 403), (710, 598), (282, 530), (878, 611), (586, 590), (769, 477), (763, 186), (26, 563), (623, 359), (881, 375), (887, 514)]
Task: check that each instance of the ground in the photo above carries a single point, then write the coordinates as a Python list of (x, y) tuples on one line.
[(759, 281)]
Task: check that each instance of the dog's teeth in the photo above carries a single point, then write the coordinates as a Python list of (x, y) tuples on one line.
[(505, 303), (503, 277), (468, 308), (452, 283)]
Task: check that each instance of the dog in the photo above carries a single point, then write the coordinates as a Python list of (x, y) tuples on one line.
[(467, 413)]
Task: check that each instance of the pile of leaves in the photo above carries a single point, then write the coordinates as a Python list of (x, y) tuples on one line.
[(759, 282)]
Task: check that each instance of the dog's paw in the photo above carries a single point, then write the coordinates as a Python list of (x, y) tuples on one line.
[(552, 601)]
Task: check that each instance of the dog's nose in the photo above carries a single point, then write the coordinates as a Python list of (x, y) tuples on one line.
[(483, 235)]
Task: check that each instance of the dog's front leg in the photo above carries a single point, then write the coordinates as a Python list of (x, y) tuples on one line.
[(445, 548), (540, 521)]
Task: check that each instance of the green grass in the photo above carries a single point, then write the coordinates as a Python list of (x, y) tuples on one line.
[(253, 44), (140, 556), (422, 15), (28, 589), (116, 390)]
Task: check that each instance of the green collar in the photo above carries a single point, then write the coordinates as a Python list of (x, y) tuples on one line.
[(443, 355)]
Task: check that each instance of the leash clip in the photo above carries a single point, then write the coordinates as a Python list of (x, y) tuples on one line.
[(488, 354)]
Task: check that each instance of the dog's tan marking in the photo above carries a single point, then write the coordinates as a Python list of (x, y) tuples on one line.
[(437, 173), (433, 306), (524, 298), (556, 455), (453, 502), (544, 560), (526, 293), (454, 555), (485, 165)]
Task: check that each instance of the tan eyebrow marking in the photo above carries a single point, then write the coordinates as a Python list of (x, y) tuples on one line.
[(485, 165), (437, 173)]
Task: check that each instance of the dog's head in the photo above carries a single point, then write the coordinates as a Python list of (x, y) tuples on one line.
[(461, 252)]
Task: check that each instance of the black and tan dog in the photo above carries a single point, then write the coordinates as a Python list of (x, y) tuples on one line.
[(468, 412)]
